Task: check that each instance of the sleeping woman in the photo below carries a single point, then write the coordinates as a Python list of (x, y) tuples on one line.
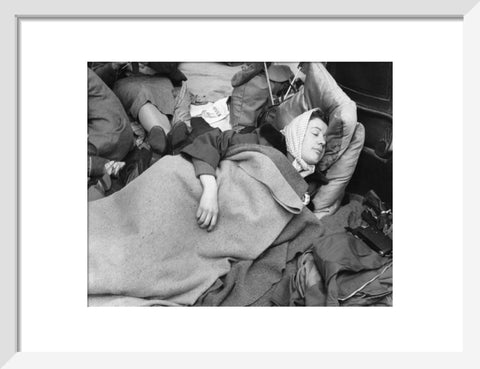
[(147, 242), (302, 141)]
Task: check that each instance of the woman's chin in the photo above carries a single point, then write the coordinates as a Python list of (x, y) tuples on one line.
[(315, 158), (312, 161)]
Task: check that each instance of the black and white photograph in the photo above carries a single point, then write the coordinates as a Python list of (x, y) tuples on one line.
[(240, 183), (240, 156)]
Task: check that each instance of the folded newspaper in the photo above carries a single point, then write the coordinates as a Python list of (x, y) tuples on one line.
[(211, 112)]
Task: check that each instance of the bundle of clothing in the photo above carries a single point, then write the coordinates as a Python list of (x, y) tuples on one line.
[(339, 270)]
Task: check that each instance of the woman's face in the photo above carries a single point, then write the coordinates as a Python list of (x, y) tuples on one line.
[(313, 146)]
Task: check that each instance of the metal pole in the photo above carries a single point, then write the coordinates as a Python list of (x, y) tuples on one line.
[(268, 82)]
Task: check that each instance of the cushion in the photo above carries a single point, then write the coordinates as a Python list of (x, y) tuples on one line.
[(336, 108), (340, 112), (329, 196)]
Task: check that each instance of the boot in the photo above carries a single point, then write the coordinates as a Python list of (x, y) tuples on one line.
[(157, 139), (177, 138)]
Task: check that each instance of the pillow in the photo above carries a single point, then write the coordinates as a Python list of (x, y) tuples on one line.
[(328, 198), (342, 148), (335, 107)]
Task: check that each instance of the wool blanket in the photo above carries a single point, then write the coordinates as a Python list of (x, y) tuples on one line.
[(252, 282), (145, 244)]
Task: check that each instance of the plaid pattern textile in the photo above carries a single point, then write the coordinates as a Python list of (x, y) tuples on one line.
[(140, 135)]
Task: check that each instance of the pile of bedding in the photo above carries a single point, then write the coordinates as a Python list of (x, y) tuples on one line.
[(145, 244)]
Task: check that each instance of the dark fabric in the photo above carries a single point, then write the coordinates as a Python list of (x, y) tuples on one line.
[(350, 274), (170, 70), (136, 162), (212, 146), (247, 102), (250, 99), (346, 263), (96, 166), (202, 168), (251, 282), (136, 91), (251, 94), (163, 67), (176, 137), (180, 137), (109, 132), (377, 293), (106, 72), (290, 174), (274, 137), (305, 287)]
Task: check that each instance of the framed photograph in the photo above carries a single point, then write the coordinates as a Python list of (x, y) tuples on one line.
[(240, 184)]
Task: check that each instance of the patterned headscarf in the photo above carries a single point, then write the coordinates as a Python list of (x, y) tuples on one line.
[(294, 135)]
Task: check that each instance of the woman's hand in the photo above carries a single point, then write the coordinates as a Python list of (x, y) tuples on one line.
[(207, 213)]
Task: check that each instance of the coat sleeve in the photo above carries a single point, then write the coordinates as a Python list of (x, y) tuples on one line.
[(209, 148), (202, 167)]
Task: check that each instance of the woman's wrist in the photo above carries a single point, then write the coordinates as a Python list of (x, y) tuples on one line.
[(208, 180)]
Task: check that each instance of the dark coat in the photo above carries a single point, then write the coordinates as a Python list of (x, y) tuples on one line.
[(207, 146)]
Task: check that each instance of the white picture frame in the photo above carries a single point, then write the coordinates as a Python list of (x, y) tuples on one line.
[(13, 12)]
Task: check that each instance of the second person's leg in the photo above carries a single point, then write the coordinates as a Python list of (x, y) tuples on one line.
[(157, 126)]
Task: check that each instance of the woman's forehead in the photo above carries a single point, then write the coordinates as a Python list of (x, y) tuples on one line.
[(317, 123)]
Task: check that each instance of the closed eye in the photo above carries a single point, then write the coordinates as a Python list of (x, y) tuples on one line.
[(316, 132)]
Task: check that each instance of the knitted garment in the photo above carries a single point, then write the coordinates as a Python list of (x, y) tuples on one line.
[(294, 135)]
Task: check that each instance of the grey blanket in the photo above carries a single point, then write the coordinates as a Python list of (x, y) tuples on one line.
[(145, 247)]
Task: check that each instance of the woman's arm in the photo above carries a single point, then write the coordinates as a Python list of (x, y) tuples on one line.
[(211, 147), (206, 151), (207, 213)]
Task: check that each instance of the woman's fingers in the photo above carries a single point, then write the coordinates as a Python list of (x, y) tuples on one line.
[(201, 215), (199, 212), (213, 222), (206, 222), (207, 218)]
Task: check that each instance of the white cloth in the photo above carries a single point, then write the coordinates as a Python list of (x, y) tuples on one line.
[(216, 114), (294, 135)]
